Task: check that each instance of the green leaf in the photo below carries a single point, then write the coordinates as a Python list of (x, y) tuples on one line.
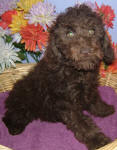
[(105, 67), (20, 46), (8, 38), (38, 53), (21, 55)]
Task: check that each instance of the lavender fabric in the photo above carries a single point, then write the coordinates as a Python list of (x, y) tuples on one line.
[(55, 136)]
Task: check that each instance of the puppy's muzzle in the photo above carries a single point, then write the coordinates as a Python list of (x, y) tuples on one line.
[(85, 51)]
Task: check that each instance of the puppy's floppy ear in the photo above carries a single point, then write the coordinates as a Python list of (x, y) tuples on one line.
[(107, 50)]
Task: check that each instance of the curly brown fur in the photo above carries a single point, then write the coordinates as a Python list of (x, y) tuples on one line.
[(65, 81)]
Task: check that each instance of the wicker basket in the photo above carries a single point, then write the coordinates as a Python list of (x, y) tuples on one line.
[(109, 80), (4, 148), (10, 76), (111, 146)]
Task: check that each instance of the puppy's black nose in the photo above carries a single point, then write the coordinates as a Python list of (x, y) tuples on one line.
[(84, 50)]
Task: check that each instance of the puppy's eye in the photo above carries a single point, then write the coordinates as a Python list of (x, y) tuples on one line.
[(70, 34), (91, 32)]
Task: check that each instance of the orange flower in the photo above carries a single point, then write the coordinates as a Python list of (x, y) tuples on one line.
[(115, 49), (32, 35), (113, 68), (7, 16), (109, 36)]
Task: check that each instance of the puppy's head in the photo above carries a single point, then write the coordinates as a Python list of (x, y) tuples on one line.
[(78, 37)]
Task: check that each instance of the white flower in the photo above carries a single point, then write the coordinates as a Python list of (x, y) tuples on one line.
[(8, 55), (78, 3), (88, 3), (42, 53), (7, 5), (1, 43), (4, 32), (16, 37), (42, 13)]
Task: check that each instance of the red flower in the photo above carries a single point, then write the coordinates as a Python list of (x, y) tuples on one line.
[(107, 14), (4, 25), (7, 16), (32, 35)]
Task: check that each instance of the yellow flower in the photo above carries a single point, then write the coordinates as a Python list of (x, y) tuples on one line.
[(18, 21), (27, 4)]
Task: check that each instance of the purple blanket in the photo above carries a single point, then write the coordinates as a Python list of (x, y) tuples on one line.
[(54, 136)]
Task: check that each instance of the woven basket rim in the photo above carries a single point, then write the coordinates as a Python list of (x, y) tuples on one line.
[(11, 75)]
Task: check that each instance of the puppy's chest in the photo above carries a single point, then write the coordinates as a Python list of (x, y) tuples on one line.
[(73, 81)]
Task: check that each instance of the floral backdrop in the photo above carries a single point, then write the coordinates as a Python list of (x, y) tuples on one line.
[(24, 30)]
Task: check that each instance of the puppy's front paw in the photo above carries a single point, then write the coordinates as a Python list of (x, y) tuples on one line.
[(108, 110), (14, 126), (13, 130), (101, 109)]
